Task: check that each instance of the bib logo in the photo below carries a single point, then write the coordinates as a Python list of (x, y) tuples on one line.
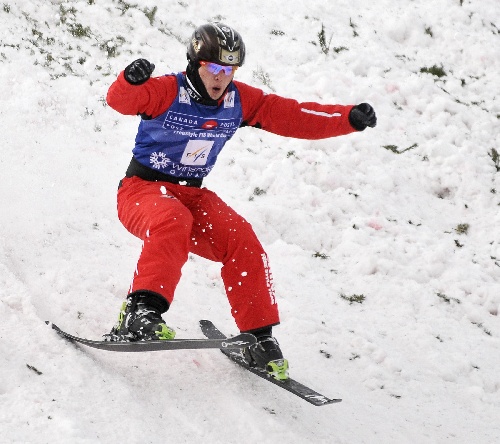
[(229, 100), (184, 96), (159, 160), (196, 152), (210, 124)]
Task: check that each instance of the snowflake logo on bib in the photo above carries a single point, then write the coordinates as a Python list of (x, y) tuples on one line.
[(159, 160)]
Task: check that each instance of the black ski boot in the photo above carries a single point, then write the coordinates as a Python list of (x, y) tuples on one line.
[(140, 319), (266, 354)]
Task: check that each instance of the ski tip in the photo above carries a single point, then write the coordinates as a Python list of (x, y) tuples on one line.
[(53, 326), (334, 401)]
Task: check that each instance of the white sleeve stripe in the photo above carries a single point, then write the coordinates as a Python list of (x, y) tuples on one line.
[(320, 113)]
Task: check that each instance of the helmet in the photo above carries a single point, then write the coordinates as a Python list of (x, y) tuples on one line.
[(217, 43)]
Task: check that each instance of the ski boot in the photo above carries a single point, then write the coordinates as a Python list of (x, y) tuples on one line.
[(266, 354), (140, 319)]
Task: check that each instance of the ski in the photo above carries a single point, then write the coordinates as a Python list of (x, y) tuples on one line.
[(292, 386), (240, 341)]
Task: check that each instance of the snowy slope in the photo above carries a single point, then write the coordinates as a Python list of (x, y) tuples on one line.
[(385, 245)]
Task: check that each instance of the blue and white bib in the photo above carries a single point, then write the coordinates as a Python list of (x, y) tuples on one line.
[(186, 139)]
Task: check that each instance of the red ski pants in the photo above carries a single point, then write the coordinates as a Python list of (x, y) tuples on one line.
[(173, 220)]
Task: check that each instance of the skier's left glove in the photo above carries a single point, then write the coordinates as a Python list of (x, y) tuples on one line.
[(361, 116)]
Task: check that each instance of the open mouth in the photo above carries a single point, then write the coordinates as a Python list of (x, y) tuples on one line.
[(216, 92)]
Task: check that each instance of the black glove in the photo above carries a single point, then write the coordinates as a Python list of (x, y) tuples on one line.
[(361, 116), (138, 72)]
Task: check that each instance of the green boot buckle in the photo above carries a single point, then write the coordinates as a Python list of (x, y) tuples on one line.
[(278, 369)]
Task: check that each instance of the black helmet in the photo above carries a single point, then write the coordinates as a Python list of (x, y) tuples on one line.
[(217, 43)]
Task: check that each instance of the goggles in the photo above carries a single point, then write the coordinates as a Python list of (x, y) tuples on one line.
[(215, 69)]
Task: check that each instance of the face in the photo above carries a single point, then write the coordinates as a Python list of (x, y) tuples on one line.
[(215, 84)]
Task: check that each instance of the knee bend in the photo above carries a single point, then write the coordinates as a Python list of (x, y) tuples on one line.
[(244, 238), (179, 223)]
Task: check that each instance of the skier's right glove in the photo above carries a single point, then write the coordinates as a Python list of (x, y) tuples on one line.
[(361, 116), (138, 72)]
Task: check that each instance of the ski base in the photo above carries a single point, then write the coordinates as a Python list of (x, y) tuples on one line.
[(292, 386), (241, 341)]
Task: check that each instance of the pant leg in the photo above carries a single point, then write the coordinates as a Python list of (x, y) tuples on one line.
[(221, 234), (150, 212)]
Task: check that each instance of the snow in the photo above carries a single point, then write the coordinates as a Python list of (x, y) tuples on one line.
[(385, 245)]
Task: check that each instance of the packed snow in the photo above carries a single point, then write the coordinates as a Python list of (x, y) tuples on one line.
[(385, 244)]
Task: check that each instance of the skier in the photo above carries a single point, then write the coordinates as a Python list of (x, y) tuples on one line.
[(186, 119)]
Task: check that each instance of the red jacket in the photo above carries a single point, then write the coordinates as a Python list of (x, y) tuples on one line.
[(278, 115)]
